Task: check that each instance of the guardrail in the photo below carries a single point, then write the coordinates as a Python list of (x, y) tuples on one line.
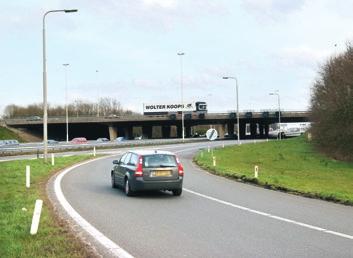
[(23, 150)]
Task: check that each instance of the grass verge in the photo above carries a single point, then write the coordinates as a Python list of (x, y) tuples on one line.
[(6, 134), (53, 238), (290, 165)]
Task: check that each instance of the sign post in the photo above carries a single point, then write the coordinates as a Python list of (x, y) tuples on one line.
[(256, 172), (211, 134), (28, 176)]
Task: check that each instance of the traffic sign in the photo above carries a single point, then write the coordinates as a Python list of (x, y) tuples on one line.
[(211, 134)]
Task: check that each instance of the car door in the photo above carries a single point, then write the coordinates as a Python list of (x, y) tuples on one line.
[(122, 168), (118, 170)]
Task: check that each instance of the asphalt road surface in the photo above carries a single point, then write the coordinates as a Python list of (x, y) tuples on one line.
[(214, 217)]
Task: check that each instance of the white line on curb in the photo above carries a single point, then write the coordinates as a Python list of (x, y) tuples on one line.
[(270, 215), (106, 242)]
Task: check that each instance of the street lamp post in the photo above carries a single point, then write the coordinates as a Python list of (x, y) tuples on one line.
[(66, 108), (236, 84), (279, 112), (45, 90), (181, 54)]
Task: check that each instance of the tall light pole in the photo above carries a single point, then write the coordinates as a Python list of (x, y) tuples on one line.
[(279, 112), (45, 90), (66, 108), (181, 54), (236, 84)]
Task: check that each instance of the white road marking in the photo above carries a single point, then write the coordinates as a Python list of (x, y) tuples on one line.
[(115, 249), (270, 215)]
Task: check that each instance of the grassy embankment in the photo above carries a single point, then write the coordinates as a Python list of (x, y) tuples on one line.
[(290, 165), (53, 238), (6, 134)]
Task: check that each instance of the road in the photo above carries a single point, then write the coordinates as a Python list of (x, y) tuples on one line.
[(214, 217)]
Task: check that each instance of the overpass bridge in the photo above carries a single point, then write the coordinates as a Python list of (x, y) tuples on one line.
[(251, 124)]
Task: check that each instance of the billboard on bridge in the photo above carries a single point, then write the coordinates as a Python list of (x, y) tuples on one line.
[(168, 107)]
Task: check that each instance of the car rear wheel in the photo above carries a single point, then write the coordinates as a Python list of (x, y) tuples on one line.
[(127, 188), (177, 192)]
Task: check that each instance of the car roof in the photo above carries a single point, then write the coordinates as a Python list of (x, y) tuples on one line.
[(151, 152)]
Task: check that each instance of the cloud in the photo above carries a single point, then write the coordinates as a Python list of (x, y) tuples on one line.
[(302, 56), (272, 9), (160, 14), (168, 4)]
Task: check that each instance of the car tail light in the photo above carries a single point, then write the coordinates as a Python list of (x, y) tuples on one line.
[(180, 168), (139, 171)]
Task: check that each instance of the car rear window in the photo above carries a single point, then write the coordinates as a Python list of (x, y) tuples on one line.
[(159, 160)]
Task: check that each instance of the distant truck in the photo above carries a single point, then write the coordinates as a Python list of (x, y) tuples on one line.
[(172, 109), (288, 129)]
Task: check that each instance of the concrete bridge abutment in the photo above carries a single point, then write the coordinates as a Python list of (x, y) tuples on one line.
[(113, 132)]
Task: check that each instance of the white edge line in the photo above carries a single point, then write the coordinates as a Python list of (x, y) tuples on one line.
[(270, 215), (115, 249)]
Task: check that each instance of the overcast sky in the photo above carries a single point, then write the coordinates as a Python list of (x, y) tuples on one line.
[(127, 49)]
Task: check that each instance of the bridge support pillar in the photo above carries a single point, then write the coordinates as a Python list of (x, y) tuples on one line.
[(221, 130), (147, 131), (156, 132), (128, 132), (253, 129), (230, 129), (242, 127), (173, 131), (113, 132), (166, 131)]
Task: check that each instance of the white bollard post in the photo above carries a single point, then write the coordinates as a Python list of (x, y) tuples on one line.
[(256, 172), (28, 176), (208, 149), (223, 145), (52, 159), (214, 161), (36, 217), (267, 139), (94, 151)]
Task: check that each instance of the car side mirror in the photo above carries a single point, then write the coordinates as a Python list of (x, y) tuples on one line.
[(116, 162)]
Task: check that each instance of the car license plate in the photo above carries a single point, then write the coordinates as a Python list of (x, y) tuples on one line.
[(161, 173)]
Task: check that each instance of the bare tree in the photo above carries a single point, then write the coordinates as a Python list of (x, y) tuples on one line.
[(332, 107), (108, 106)]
